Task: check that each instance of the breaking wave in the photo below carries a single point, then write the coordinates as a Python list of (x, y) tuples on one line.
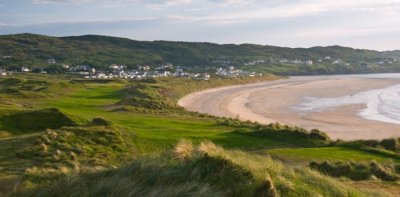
[(381, 104)]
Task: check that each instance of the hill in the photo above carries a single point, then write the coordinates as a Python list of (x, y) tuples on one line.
[(137, 148), (100, 51)]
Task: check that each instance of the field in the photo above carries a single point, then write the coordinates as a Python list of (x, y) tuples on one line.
[(139, 122)]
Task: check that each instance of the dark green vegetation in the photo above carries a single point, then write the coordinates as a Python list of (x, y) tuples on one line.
[(121, 136), (36, 120), (101, 51), (357, 171)]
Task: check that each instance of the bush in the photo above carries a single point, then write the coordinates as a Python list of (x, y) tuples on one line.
[(318, 135), (354, 171), (382, 173), (397, 168), (389, 144), (359, 172), (337, 169), (371, 143), (101, 122)]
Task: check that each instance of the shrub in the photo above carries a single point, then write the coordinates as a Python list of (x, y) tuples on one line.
[(371, 143), (382, 173), (397, 168), (359, 172), (337, 169), (101, 122), (354, 171), (389, 144), (318, 135)]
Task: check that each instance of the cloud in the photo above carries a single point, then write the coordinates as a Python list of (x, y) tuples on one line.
[(278, 22), (152, 2)]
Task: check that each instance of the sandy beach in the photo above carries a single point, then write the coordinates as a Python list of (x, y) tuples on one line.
[(276, 101)]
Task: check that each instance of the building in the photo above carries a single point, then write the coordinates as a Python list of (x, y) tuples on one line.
[(25, 69), (338, 61), (308, 62), (144, 68), (66, 66), (3, 72), (117, 67), (179, 73), (80, 68)]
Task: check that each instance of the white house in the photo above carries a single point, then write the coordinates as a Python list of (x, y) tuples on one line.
[(145, 68), (66, 66), (102, 76), (206, 77), (308, 62), (25, 69), (117, 67), (338, 61)]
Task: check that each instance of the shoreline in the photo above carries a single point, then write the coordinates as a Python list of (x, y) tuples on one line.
[(270, 102)]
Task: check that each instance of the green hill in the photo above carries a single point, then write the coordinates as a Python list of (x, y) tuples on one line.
[(132, 149), (101, 51)]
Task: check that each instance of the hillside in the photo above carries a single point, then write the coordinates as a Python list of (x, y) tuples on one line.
[(101, 51), (143, 140), (205, 170)]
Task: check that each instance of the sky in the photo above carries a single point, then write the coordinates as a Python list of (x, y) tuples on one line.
[(366, 24)]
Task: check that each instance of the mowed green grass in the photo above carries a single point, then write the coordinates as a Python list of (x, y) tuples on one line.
[(328, 153), (160, 132), (155, 132)]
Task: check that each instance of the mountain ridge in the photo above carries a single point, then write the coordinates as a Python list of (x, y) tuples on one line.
[(34, 50)]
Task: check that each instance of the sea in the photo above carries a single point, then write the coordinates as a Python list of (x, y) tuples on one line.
[(381, 104)]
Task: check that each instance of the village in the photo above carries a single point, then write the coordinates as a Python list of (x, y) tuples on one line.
[(123, 72), (323, 60), (228, 68)]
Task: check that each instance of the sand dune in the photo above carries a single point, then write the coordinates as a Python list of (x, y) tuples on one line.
[(276, 102)]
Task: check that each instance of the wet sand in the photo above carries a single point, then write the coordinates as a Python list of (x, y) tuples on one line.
[(270, 102)]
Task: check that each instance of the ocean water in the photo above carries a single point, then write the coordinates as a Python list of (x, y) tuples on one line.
[(381, 104)]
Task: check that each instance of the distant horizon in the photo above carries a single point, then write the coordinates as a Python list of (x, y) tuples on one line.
[(80, 35), (361, 24)]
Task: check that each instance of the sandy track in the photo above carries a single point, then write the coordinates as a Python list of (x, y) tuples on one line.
[(273, 102)]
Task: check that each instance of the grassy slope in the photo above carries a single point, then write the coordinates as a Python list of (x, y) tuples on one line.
[(159, 132), (205, 170)]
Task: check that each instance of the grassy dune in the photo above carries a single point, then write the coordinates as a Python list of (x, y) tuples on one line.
[(329, 153), (206, 170), (130, 151)]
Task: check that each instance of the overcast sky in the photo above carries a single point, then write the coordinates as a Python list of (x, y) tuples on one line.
[(370, 24)]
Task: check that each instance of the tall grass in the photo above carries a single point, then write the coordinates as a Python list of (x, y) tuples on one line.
[(208, 171)]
